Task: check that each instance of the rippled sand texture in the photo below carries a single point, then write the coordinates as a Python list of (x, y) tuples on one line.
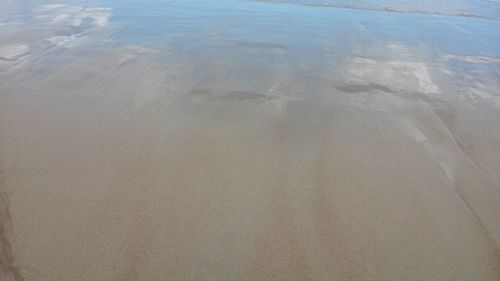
[(247, 141)]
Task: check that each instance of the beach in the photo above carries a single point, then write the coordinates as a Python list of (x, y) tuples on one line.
[(248, 140)]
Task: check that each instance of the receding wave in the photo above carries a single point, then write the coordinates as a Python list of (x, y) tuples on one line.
[(488, 9)]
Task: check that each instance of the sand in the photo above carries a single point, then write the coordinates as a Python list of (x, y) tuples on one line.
[(244, 159)]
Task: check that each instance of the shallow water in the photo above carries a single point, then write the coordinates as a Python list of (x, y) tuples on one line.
[(475, 8), (249, 140)]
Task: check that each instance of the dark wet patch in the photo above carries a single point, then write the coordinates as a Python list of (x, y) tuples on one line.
[(358, 88), (230, 95), (261, 45)]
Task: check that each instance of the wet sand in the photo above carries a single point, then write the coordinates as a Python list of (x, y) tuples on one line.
[(243, 146)]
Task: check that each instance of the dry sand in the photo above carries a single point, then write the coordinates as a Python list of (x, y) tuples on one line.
[(120, 165)]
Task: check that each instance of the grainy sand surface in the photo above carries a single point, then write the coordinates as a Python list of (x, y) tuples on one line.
[(240, 145)]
